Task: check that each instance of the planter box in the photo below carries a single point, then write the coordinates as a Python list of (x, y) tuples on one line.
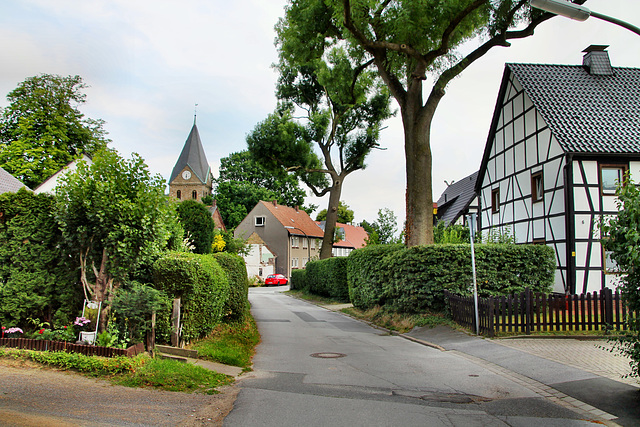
[(89, 350)]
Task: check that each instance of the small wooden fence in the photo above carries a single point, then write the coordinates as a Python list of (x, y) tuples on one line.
[(89, 350), (529, 312)]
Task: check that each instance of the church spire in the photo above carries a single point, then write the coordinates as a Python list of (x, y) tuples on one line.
[(193, 156)]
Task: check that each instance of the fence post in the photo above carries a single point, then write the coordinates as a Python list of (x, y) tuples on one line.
[(608, 307), (151, 335), (528, 311), (491, 317), (175, 323)]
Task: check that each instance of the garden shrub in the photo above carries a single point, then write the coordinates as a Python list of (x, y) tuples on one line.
[(298, 280), (238, 301), (201, 284), (367, 274), (132, 308), (36, 279), (328, 277), (197, 224)]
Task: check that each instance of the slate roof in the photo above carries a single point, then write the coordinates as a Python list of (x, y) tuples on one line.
[(587, 113), (354, 236), (9, 183), (294, 217), (455, 200), (192, 155)]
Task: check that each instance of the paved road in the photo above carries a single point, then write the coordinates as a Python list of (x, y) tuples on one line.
[(315, 367)]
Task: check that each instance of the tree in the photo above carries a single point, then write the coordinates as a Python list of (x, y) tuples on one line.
[(113, 217), (383, 230), (197, 224), (343, 109), (42, 130), (621, 235), (243, 182), (345, 215), (407, 43)]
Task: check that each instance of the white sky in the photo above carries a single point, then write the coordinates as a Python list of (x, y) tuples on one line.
[(149, 62)]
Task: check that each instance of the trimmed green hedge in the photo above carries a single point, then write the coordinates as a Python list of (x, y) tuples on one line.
[(413, 279), (202, 285), (238, 302), (328, 278), (298, 280)]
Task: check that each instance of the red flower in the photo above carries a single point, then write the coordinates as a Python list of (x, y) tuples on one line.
[(65, 327), (41, 331), (4, 327)]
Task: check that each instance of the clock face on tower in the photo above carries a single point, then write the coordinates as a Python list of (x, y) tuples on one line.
[(186, 174)]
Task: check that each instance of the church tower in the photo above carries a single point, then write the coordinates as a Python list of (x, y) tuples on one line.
[(191, 177)]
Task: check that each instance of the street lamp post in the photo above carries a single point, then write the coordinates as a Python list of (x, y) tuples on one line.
[(578, 12), (290, 227)]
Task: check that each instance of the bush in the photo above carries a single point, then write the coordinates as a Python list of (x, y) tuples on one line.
[(132, 307), (238, 301), (412, 280), (298, 280), (366, 275), (328, 278), (37, 280), (201, 284), (198, 225)]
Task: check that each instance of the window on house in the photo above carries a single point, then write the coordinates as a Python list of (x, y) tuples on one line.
[(304, 242), (495, 200), (194, 195), (179, 194), (259, 221), (295, 242), (294, 262), (304, 262), (537, 187), (313, 243), (610, 177)]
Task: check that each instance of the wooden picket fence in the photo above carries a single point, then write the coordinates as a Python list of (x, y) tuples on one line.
[(89, 350), (535, 312)]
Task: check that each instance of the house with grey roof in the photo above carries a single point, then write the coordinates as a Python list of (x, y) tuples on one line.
[(457, 199), (9, 183), (560, 139), (191, 177)]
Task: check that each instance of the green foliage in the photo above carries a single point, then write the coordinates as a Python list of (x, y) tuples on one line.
[(36, 277), (234, 245), (132, 307), (384, 230), (621, 238), (42, 130), (243, 182), (197, 224), (412, 280), (298, 281), (201, 284), (452, 234), (501, 236), (113, 216), (238, 302), (232, 344), (328, 278), (345, 215)]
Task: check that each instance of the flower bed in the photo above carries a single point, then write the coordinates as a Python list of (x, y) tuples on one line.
[(89, 350)]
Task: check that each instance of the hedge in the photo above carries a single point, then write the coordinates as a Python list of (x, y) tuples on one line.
[(413, 279), (37, 280), (328, 278), (238, 301), (202, 285), (298, 280)]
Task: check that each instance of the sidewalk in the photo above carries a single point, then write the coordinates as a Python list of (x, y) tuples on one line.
[(573, 373)]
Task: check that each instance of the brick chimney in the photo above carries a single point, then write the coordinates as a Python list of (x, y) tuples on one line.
[(596, 60)]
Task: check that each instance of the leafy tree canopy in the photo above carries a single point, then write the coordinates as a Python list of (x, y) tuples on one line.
[(197, 224), (243, 182), (409, 45), (345, 215), (384, 230), (113, 215), (42, 129)]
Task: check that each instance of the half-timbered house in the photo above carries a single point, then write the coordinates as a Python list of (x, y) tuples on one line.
[(560, 138)]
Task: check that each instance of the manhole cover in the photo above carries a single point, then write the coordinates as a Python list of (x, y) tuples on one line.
[(328, 355)]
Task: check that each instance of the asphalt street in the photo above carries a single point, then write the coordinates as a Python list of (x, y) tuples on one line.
[(315, 367)]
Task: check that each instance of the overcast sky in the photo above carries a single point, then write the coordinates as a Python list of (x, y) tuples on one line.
[(149, 62)]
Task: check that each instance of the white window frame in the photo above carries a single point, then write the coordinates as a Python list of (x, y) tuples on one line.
[(611, 191), (312, 243), (294, 262), (295, 242), (259, 220), (305, 242)]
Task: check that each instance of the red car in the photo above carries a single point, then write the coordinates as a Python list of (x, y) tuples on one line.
[(276, 279)]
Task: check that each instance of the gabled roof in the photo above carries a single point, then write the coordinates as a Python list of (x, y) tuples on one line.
[(192, 155), (587, 113), (354, 236), (294, 217), (49, 185), (455, 200), (9, 183)]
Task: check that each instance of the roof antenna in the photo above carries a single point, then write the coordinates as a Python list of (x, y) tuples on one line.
[(195, 113), (448, 185)]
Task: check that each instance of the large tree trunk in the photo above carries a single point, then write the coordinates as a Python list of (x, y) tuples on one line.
[(332, 218)]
